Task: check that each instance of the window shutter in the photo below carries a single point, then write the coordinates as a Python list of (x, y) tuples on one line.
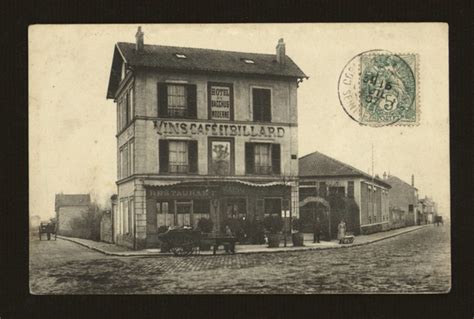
[(192, 101), (257, 103), (162, 100), (193, 156), (163, 156), (266, 106), (249, 158), (276, 162)]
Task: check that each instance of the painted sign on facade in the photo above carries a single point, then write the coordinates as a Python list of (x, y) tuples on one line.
[(215, 129), (220, 102), (220, 163)]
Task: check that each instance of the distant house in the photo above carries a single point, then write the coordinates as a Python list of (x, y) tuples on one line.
[(68, 208), (323, 178), (428, 209), (403, 199)]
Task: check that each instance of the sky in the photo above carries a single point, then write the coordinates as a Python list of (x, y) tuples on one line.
[(72, 126)]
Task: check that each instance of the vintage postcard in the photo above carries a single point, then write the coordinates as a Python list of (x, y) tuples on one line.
[(239, 158)]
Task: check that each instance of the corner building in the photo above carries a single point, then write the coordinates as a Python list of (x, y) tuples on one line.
[(202, 133)]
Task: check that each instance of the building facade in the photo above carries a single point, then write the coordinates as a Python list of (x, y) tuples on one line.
[(201, 134), (403, 201), (362, 200)]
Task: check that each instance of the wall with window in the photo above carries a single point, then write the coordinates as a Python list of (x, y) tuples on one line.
[(193, 88)]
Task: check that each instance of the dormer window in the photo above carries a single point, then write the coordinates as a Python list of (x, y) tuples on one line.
[(248, 61), (180, 56)]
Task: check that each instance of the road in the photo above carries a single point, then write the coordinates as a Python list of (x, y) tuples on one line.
[(415, 262)]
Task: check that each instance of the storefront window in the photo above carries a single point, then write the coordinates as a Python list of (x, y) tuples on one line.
[(272, 207), (201, 209), (163, 217), (236, 208)]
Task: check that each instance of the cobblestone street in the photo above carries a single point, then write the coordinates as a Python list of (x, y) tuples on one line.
[(418, 261)]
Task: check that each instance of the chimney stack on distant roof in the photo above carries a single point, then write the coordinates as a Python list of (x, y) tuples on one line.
[(139, 40), (412, 180), (384, 175), (280, 51)]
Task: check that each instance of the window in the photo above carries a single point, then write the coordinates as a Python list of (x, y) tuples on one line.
[(163, 216), (336, 191), (236, 208), (261, 103), (410, 208), (350, 189), (132, 157), (178, 156), (125, 216), (272, 207), (177, 100), (126, 160), (262, 158), (180, 56), (125, 109), (322, 189), (131, 106), (248, 61), (131, 210)]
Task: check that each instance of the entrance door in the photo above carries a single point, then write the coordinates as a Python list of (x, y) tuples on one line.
[(184, 211)]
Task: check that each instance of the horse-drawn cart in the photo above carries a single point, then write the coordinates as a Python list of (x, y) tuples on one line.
[(48, 229), (186, 241)]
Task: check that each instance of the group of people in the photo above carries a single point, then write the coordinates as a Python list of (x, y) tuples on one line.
[(341, 230)]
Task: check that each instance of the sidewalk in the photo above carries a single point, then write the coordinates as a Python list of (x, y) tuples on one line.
[(114, 250)]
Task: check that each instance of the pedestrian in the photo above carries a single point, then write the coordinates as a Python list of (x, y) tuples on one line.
[(228, 233), (341, 230), (316, 230)]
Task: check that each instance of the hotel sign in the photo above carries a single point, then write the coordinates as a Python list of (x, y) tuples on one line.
[(220, 102), (217, 129)]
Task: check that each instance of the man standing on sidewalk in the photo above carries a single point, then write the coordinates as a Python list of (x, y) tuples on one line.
[(316, 230)]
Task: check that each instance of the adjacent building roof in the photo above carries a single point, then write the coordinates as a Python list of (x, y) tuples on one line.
[(72, 200), (318, 164), (392, 180), (195, 59)]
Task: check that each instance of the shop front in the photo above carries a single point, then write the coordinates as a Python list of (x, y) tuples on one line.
[(184, 204)]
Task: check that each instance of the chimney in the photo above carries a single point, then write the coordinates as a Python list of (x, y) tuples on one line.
[(280, 51), (384, 175), (412, 180), (139, 40)]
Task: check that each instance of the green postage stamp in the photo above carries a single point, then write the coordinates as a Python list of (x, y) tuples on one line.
[(379, 88)]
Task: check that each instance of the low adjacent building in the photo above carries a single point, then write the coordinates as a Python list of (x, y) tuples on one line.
[(362, 199), (403, 199), (69, 209)]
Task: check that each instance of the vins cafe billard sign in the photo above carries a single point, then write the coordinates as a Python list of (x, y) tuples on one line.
[(218, 129)]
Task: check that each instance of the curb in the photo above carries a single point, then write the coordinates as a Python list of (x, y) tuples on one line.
[(127, 254)]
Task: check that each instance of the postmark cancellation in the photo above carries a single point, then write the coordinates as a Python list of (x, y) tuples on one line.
[(380, 88)]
